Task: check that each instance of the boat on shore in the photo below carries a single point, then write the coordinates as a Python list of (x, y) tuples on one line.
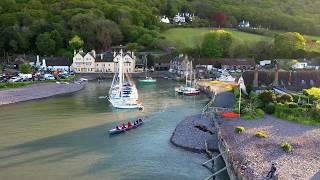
[(125, 127)]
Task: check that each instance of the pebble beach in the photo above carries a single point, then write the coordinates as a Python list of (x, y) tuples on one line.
[(36, 91)]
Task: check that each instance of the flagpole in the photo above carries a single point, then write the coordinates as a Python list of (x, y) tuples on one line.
[(240, 101)]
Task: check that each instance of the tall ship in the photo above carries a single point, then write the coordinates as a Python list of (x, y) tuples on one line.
[(123, 93)]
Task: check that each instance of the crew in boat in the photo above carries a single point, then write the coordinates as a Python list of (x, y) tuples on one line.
[(140, 120), (129, 124), (117, 128), (123, 126)]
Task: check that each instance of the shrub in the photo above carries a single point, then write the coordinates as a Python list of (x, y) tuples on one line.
[(270, 108), (267, 96), (284, 98), (240, 129), (292, 105), (307, 106), (287, 147), (259, 113), (261, 134)]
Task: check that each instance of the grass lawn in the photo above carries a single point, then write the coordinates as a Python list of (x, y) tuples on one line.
[(191, 37)]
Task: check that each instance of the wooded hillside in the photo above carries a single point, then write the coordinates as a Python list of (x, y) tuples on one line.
[(31, 26)]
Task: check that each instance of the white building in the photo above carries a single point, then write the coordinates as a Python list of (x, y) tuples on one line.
[(102, 63), (300, 65), (52, 63), (265, 62), (244, 24), (165, 20)]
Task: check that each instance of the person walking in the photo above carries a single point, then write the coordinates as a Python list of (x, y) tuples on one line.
[(272, 171)]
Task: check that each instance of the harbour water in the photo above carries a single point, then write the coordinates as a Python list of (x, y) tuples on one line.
[(66, 137)]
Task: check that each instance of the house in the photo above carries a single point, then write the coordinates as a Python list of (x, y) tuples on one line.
[(289, 80), (179, 18), (52, 63), (300, 65), (244, 24), (106, 62), (180, 65), (234, 64), (314, 65), (165, 20), (265, 62), (57, 63)]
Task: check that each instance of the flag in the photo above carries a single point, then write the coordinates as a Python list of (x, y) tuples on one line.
[(242, 85)]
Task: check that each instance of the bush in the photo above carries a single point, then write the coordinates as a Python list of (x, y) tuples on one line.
[(285, 98), (259, 113), (25, 68), (287, 147), (270, 108), (240, 129), (267, 97), (307, 106), (293, 105), (261, 134)]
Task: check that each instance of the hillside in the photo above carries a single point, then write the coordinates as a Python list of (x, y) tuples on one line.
[(46, 26)]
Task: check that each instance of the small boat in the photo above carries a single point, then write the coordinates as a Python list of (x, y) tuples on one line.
[(147, 79), (191, 92), (120, 130)]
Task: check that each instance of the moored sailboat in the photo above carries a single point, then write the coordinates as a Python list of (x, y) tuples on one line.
[(147, 79), (123, 93)]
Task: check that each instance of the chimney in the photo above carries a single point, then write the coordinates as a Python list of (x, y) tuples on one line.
[(93, 53), (276, 76), (114, 53), (256, 77), (101, 56), (74, 52), (132, 54), (38, 61)]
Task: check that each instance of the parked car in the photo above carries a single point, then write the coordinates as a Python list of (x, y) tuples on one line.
[(239, 71), (15, 79), (48, 77)]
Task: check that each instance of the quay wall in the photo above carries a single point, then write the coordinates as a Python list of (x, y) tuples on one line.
[(93, 76)]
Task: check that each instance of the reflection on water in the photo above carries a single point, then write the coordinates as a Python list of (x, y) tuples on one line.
[(66, 137)]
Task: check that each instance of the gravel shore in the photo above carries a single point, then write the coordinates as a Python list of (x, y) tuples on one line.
[(36, 91), (255, 155), (187, 136)]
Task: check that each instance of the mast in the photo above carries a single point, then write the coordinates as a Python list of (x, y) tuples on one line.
[(120, 74), (191, 74), (146, 65)]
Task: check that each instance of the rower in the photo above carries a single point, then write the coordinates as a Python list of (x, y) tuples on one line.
[(129, 124), (140, 121), (117, 127)]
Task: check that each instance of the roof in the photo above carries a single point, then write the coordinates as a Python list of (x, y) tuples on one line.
[(296, 80), (238, 62), (57, 61), (106, 57)]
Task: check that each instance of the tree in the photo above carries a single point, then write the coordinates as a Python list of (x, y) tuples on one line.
[(210, 46), (287, 43), (25, 68), (132, 46), (216, 44), (220, 18), (76, 43), (106, 33), (45, 45), (267, 97), (56, 36)]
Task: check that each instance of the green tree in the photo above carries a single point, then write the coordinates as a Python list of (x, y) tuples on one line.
[(76, 43), (216, 44), (25, 68), (287, 43), (45, 44)]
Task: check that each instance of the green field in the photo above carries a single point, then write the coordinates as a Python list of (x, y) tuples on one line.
[(191, 37)]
